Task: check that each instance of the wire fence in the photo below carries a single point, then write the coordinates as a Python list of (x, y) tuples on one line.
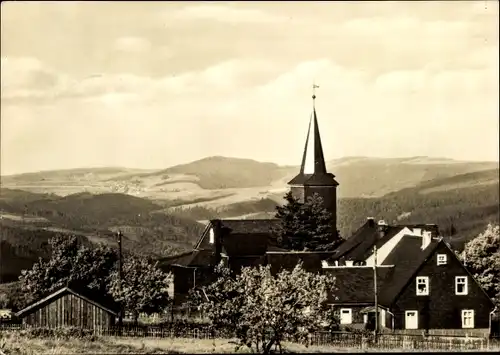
[(340, 340)]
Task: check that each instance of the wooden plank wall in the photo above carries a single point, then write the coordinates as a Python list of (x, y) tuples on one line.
[(69, 310)]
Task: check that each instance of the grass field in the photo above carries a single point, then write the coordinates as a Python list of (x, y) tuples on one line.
[(13, 343)]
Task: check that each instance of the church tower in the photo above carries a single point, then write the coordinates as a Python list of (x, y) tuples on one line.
[(313, 177)]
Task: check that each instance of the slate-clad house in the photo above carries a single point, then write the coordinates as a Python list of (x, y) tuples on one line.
[(70, 306), (421, 284)]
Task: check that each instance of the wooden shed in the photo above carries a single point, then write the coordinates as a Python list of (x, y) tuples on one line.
[(68, 307)]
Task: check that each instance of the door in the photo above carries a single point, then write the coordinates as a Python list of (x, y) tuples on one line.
[(345, 316), (411, 320)]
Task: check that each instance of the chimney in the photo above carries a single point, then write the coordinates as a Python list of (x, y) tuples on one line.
[(371, 221), (426, 239), (382, 227), (417, 231)]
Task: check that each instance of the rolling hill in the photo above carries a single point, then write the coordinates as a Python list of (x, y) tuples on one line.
[(220, 181)]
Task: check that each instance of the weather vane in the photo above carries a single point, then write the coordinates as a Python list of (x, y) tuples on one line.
[(314, 91)]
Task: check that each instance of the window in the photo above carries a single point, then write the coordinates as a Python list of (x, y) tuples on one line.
[(212, 236), (345, 316), (441, 259), (467, 318), (411, 320), (461, 285), (422, 286)]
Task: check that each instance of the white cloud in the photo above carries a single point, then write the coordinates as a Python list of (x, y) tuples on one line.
[(224, 14), (132, 44)]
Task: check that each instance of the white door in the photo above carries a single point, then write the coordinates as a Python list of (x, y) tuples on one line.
[(346, 316), (411, 320)]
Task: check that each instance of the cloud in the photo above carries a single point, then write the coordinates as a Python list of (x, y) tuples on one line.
[(132, 45), (222, 77), (224, 14), (24, 72)]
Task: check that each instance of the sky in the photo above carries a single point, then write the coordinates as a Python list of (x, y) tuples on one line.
[(155, 84)]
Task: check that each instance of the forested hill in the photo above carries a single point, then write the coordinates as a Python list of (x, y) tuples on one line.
[(29, 220), (461, 205)]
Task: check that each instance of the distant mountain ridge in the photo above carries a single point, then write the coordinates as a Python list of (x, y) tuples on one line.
[(218, 177)]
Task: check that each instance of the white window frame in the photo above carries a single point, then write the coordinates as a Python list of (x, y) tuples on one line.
[(349, 312), (442, 259), (426, 281), (471, 314), (406, 319), (465, 283)]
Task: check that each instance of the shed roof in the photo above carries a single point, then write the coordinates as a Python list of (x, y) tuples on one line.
[(104, 302)]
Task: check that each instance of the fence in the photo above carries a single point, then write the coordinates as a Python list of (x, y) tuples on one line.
[(403, 342), (336, 340)]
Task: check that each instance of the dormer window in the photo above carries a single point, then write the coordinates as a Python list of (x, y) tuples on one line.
[(422, 286), (442, 259)]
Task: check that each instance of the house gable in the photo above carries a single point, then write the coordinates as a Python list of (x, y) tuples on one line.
[(442, 307)]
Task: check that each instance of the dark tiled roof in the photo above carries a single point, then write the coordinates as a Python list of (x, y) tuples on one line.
[(355, 284), (433, 228), (314, 180), (169, 260), (192, 258), (251, 226), (359, 245), (248, 237), (408, 257), (245, 245)]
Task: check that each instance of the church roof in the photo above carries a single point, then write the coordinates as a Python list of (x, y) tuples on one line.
[(313, 168)]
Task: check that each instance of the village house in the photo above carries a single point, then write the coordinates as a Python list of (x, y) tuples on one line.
[(421, 284)]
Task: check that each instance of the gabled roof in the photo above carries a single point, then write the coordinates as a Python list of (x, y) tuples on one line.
[(194, 258), (104, 302), (251, 226), (355, 285), (408, 257), (360, 244), (313, 167)]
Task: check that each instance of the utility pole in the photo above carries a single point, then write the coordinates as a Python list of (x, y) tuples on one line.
[(375, 332), (120, 279)]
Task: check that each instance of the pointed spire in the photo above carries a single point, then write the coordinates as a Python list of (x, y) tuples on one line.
[(313, 167), (313, 161)]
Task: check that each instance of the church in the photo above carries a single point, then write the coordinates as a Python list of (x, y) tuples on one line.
[(421, 284)]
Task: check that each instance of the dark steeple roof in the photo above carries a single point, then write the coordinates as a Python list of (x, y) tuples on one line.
[(313, 167)]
